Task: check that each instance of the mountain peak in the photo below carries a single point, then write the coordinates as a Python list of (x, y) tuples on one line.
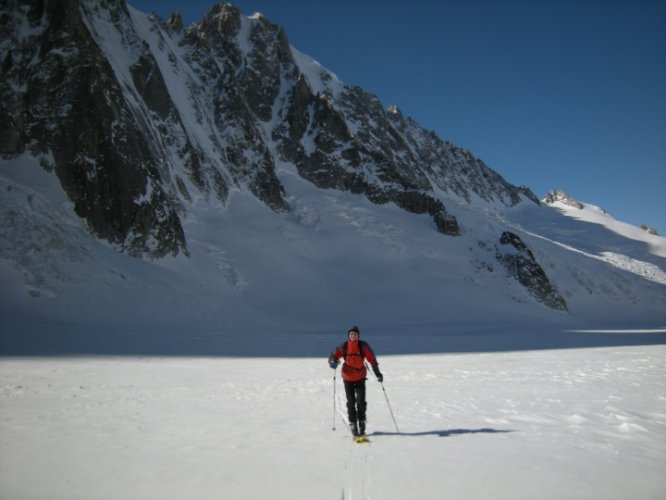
[(394, 110), (557, 195), (648, 229), (175, 21)]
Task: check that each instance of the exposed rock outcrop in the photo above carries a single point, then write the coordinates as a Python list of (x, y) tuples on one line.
[(521, 264)]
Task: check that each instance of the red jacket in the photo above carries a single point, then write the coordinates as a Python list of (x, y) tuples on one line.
[(354, 354)]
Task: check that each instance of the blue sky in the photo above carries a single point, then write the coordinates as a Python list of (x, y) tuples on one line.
[(567, 94)]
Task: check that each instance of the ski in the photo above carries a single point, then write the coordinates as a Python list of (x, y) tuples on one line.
[(361, 439)]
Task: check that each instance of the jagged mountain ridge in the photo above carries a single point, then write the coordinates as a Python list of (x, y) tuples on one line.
[(143, 120), (199, 111)]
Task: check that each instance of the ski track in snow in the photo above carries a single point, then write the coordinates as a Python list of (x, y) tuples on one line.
[(357, 472), (563, 424)]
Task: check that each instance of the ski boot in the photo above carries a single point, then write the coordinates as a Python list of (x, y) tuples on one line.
[(361, 436)]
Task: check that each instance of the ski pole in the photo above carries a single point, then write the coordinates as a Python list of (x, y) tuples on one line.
[(390, 410), (334, 408)]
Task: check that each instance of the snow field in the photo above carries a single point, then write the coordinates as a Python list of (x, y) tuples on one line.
[(564, 424)]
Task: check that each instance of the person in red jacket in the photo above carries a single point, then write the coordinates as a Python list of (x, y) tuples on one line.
[(355, 352)]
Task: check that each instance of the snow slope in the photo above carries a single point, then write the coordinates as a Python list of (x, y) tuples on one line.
[(565, 424), (335, 259)]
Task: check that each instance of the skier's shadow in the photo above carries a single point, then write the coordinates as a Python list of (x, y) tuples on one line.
[(443, 433)]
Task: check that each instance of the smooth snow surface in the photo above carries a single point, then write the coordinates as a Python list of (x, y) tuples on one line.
[(561, 424)]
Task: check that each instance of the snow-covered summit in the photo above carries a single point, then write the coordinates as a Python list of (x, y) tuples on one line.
[(595, 215), (559, 196)]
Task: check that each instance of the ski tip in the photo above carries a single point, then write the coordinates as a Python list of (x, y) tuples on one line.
[(362, 439)]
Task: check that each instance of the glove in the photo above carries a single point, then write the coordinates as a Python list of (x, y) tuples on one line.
[(332, 363), (380, 377)]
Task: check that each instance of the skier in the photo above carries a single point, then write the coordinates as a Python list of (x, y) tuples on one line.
[(355, 352)]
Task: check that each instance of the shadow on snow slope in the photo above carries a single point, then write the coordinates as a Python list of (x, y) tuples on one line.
[(35, 339)]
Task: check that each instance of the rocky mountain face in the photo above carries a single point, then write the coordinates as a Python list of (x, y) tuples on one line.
[(140, 117), (63, 102), (520, 262)]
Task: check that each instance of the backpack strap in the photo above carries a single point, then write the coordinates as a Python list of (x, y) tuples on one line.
[(361, 348)]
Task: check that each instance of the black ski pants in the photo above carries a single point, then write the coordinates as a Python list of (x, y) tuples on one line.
[(356, 404)]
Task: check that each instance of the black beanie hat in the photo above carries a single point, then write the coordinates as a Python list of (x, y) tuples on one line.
[(353, 329)]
